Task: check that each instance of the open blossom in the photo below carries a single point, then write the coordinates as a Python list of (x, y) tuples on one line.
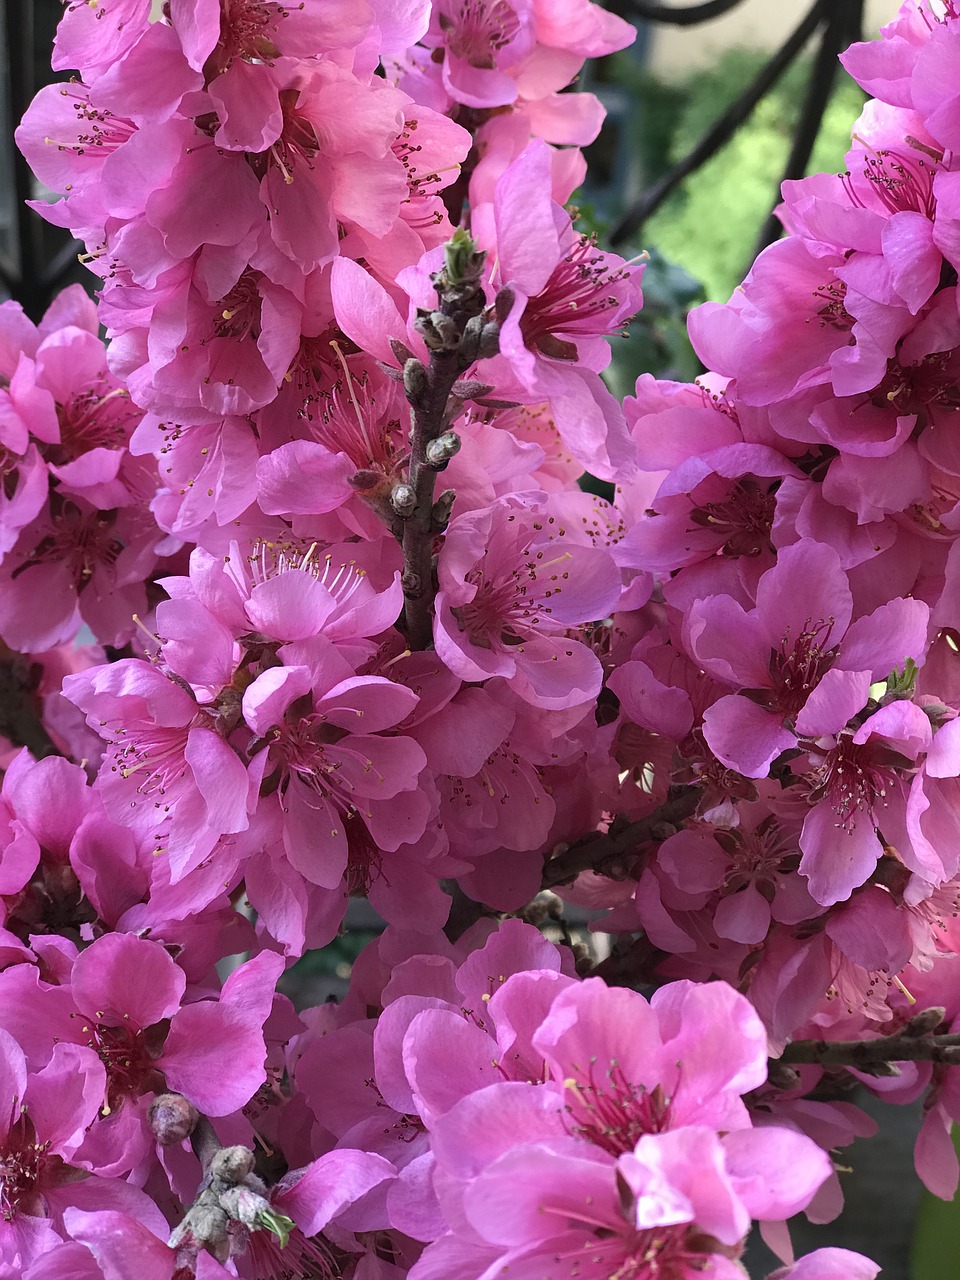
[(615, 1162), (512, 590), (321, 745), (173, 778), (565, 297), (721, 709), (798, 657)]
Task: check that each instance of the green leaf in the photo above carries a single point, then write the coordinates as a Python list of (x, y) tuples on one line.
[(278, 1223)]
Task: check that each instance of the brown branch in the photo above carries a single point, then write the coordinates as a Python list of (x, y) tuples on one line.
[(455, 336), (20, 708), (600, 848), (914, 1042)]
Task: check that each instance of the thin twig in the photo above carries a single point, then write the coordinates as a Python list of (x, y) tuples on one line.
[(20, 718), (912, 1043), (454, 335), (590, 853)]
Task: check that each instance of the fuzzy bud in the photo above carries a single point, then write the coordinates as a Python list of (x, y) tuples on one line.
[(462, 260), (470, 388), (438, 331), (443, 509), (400, 350), (924, 1022), (503, 303), (204, 1227), (172, 1118), (403, 498), (441, 450), (489, 341), (364, 480), (415, 383), (232, 1164)]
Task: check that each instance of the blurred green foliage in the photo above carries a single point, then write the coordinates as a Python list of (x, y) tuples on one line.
[(710, 225)]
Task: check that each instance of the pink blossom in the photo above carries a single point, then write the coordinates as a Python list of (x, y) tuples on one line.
[(174, 779), (511, 592)]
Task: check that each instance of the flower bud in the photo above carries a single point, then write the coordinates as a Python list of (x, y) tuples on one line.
[(232, 1164), (414, 380), (172, 1118), (462, 260), (443, 509), (403, 498), (442, 449)]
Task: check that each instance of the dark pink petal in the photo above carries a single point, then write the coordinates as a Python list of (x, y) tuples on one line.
[(445, 1057), (491, 1121), (328, 1185), (303, 478), (882, 642), (840, 695), (535, 1191), (728, 642), (836, 860), (743, 736), (121, 977), (214, 1056), (805, 587)]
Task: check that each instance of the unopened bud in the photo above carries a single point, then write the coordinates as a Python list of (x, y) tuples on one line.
[(364, 479), (489, 341), (442, 449), (390, 371), (403, 499), (244, 1205), (415, 382), (400, 350), (470, 388), (205, 1227), (232, 1164), (172, 1118), (443, 509), (926, 1021), (438, 331), (503, 303), (462, 260)]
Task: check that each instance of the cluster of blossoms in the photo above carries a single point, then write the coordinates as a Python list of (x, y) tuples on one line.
[(334, 262)]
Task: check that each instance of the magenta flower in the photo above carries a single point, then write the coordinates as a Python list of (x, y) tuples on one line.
[(173, 779), (803, 666), (329, 777), (44, 1115), (511, 592), (568, 296)]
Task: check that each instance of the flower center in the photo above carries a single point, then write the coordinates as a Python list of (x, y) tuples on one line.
[(743, 519), (797, 666), (828, 306), (23, 1164), (477, 30), (98, 131), (83, 543), (901, 181), (611, 1111), (575, 300), (240, 309), (98, 418), (854, 778), (247, 31), (129, 1065), (914, 388), (298, 142)]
